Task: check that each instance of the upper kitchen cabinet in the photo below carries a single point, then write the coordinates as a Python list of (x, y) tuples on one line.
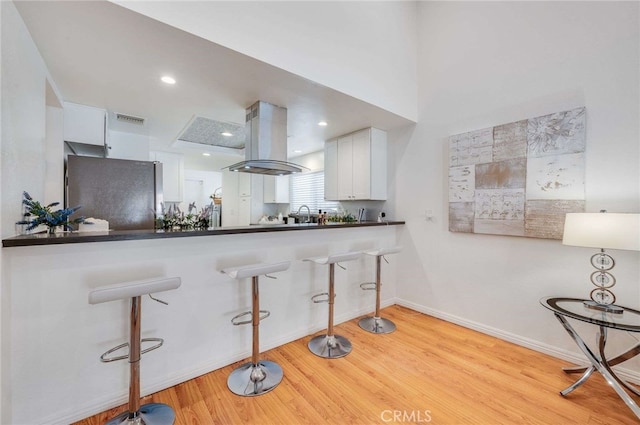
[(356, 166), (331, 170), (172, 174), (276, 189), (128, 146), (84, 128)]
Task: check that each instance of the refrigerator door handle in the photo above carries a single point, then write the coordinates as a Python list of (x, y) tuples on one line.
[(159, 198)]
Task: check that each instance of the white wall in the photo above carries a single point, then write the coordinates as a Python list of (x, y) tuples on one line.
[(313, 161), (208, 182), (489, 63), (22, 147), (215, 162), (23, 118), (364, 49)]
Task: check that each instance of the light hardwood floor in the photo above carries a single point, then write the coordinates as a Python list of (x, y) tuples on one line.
[(428, 371)]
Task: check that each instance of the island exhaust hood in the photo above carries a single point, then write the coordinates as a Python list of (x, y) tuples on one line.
[(266, 142)]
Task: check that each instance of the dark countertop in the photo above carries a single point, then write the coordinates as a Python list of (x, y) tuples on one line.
[(128, 235)]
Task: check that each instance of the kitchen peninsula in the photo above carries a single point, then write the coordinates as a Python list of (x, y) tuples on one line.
[(55, 334), (122, 235)]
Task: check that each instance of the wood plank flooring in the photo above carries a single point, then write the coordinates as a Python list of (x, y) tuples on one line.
[(428, 371)]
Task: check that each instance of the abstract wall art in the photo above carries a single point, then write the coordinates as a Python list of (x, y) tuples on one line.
[(518, 179)]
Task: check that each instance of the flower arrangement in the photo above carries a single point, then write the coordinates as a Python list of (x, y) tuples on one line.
[(174, 218), (37, 214)]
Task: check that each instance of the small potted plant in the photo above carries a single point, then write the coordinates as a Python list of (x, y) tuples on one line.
[(37, 214)]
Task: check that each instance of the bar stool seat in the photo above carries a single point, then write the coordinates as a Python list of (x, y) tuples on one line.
[(151, 413), (257, 376), (377, 324), (256, 270), (330, 346), (384, 251), (335, 258), (120, 291)]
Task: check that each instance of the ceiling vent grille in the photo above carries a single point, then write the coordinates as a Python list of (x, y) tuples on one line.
[(130, 119)]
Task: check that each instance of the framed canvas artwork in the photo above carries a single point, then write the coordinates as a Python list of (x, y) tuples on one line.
[(518, 179)]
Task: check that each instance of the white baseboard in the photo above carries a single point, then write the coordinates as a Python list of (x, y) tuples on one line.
[(109, 402), (627, 374)]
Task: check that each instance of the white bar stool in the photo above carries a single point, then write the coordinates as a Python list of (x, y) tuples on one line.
[(377, 324), (151, 413), (257, 376), (330, 346)]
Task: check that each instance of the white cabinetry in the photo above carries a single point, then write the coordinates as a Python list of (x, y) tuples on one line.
[(244, 211), (244, 184), (172, 174), (331, 170), (128, 146), (230, 199), (276, 189), (242, 202), (84, 124), (356, 168)]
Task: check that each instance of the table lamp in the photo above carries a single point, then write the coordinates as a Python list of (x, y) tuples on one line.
[(603, 230)]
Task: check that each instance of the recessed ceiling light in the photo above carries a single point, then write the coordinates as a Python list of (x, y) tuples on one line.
[(206, 154), (322, 123), (297, 151), (168, 80), (226, 134)]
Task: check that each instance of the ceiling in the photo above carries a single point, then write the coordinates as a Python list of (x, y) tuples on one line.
[(103, 55)]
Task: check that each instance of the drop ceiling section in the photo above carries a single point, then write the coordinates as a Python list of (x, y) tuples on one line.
[(206, 131)]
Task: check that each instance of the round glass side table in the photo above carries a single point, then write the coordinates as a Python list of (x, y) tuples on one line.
[(628, 320)]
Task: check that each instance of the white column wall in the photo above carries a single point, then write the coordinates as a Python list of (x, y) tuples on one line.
[(54, 156), (488, 63), (364, 49), (24, 77), (22, 150), (57, 337)]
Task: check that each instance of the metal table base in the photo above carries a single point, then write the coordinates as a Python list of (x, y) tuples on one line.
[(600, 363)]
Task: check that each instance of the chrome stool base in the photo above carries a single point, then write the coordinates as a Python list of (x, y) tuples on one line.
[(330, 347), (377, 325), (249, 380), (149, 414)]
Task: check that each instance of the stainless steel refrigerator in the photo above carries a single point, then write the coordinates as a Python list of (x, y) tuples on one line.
[(125, 193)]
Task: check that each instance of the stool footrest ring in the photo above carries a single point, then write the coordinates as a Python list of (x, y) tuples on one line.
[(159, 342), (263, 315), (316, 298), (368, 286), (105, 359)]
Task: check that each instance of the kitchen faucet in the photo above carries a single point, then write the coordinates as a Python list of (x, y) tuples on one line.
[(308, 213)]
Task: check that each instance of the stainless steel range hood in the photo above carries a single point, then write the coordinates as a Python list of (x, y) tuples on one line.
[(266, 142)]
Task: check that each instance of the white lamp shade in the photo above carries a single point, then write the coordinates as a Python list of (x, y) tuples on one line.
[(602, 230)]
